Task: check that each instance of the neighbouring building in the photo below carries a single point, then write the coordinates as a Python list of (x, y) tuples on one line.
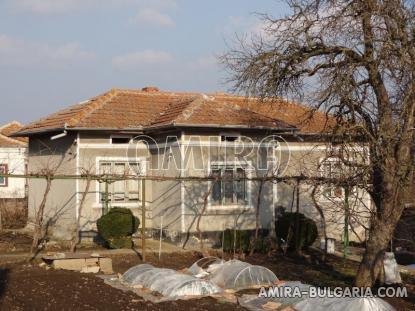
[(13, 160), (13, 191), (188, 135)]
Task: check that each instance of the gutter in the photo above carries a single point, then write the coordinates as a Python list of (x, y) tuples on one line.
[(30, 133)]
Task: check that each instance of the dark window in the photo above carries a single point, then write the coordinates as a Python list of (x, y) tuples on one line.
[(229, 138), (3, 179), (120, 140), (231, 188)]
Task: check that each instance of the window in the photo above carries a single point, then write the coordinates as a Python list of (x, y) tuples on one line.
[(332, 168), (231, 189), (3, 179), (118, 140), (120, 191), (230, 137)]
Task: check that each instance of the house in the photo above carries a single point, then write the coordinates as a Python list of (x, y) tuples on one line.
[(13, 191), (13, 153), (169, 135)]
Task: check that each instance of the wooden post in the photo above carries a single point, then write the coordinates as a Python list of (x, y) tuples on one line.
[(106, 203), (143, 219), (346, 222), (161, 235), (297, 219)]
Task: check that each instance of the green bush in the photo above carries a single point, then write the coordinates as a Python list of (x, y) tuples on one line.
[(117, 227), (244, 240), (299, 237)]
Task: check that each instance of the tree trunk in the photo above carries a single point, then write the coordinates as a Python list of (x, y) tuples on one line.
[(372, 263), (76, 237), (381, 232), (37, 236)]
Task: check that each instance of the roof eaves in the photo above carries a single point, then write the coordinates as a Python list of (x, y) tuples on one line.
[(73, 129)]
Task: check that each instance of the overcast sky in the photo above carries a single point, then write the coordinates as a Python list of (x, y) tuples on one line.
[(54, 53)]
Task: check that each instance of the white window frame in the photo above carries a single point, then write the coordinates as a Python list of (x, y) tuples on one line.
[(243, 164), (135, 204)]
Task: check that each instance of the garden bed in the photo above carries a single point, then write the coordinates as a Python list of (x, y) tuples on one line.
[(25, 287)]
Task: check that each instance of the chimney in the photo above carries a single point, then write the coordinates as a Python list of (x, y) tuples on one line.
[(150, 89)]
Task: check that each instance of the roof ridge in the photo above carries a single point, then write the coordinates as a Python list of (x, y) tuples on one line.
[(186, 101), (198, 100), (93, 104), (13, 140), (14, 122)]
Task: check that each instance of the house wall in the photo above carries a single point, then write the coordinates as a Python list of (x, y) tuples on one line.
[(180, 203), (15, 159), (95, 148), (210, 218), (292, 159), (304, 159), (167, 194), (58, 156)]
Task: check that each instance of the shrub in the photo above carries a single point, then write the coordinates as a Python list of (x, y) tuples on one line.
[(244, 239), (117, 227), (286, 230)]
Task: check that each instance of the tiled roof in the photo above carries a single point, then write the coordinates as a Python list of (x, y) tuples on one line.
[(9, 129), (143, 109), (206, 110)]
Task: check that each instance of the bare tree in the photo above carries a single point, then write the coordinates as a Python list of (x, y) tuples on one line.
[(38, 233), (354, 59), (76, 237)]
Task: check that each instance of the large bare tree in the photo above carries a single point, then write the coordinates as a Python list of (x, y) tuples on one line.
[(356, 61)]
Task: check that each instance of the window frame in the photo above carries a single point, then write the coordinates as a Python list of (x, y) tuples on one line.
[(129, 137), (332, 188), (224, 135), (5, 168), (99, 203), (248, 186)]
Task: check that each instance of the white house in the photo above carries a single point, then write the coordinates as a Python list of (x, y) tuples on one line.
[(13, 160)]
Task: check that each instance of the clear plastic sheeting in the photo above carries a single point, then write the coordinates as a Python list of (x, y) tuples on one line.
[(129, 275), (168, 282), (254, 302), (343, 304), (235, 274), (304, 303), (199, 268)]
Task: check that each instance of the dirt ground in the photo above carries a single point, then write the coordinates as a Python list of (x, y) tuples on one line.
[(29, 287)]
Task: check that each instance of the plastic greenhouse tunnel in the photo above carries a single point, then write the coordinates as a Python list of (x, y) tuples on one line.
[(168, 282), (235, 274)]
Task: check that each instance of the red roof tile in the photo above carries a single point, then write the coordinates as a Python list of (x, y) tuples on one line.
[(138, 109), (9, 129)]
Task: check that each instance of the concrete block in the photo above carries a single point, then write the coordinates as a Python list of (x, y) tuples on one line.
[(106, 265), (69, 264), (92, 261), (90, 269)]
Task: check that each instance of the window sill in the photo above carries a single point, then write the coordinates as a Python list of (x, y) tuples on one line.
[(136, 204), (229, 207)]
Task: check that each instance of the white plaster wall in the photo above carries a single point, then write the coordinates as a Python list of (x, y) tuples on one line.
[(15, 158)]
